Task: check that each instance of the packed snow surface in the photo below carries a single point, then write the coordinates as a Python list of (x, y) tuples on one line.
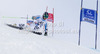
[(14, 41)]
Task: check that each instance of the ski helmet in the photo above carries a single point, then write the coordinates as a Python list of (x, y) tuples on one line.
[(46, 15)]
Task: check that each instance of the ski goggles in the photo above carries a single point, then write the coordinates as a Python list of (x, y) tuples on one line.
[(45, 16)]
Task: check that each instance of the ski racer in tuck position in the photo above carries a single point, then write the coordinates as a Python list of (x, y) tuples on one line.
[(41, 21)]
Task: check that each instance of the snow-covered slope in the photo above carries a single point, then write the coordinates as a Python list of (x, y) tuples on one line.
[(13, 41), (66, 17)]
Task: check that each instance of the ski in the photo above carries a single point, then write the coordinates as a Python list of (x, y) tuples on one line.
[(16, 27), (20, 28), (38, 33)]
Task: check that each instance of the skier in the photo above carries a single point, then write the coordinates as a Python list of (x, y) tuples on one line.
[(41, 21)]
